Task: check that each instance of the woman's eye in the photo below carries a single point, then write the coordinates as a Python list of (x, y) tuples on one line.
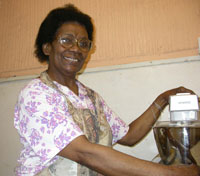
[(84, 44), (66, 40)]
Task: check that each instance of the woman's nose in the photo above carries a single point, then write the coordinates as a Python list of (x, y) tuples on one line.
[(75, 46)]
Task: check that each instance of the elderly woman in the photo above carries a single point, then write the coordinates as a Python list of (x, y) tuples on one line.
[(65, 127)]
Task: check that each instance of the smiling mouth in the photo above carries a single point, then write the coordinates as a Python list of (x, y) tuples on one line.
[(71, 59)]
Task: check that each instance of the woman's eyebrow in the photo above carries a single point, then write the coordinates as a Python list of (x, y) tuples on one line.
[(72, 35)]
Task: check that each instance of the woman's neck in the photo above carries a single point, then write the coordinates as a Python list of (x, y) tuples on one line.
[(69, 81)]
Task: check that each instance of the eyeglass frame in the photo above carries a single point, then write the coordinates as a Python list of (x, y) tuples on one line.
[(75, 41)]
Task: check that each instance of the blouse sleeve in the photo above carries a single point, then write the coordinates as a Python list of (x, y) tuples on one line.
[(44, 122), (118, 127)]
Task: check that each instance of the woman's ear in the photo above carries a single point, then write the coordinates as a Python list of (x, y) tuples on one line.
[(46, 48)]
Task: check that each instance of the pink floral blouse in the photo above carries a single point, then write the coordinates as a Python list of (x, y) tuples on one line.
[(45, 126)]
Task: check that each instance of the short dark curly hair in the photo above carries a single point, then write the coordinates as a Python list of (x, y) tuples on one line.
[(53, 22)]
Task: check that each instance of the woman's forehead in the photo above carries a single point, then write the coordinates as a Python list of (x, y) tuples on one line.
[(73, 27)]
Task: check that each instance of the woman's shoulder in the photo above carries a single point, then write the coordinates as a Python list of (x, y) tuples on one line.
[(35, 85)]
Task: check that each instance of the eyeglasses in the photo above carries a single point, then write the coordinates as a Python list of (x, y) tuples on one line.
[(69, 41)]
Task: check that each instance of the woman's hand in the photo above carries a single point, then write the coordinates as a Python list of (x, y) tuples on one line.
[(181, 89), (163, 99), (183, 170)]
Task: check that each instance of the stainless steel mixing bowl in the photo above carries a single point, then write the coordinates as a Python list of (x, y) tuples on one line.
[(178, 142)]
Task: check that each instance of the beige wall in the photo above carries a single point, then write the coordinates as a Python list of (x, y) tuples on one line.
[(127, 31), (127, 89)]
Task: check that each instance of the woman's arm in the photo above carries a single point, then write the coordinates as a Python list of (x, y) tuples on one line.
[(110, 162), (143, 124)]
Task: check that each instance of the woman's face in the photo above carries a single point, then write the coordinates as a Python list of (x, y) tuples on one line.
[(66, 61)]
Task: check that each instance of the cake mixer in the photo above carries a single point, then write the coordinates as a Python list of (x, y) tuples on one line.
[(178, 140)]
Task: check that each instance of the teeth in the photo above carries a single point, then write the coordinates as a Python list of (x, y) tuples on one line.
[(71, 59)]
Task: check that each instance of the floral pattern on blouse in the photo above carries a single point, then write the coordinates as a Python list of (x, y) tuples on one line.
[(45, 125)]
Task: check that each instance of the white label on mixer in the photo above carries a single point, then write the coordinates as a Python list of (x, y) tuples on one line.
[(184, 102)]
